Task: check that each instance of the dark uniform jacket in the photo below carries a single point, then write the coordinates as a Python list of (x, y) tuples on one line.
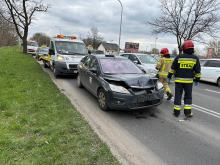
[(186, 69)]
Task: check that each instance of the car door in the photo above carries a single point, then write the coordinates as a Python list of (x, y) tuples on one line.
[(204, 71), (211, 71), (93, 77), (85, 70)]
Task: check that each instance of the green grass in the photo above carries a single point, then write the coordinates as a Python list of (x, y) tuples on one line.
[(38, 124)]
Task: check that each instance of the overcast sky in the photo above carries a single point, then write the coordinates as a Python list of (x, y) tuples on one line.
[(78, 16)]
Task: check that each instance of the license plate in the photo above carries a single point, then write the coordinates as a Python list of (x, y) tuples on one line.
[(144, 98), (75, 71)]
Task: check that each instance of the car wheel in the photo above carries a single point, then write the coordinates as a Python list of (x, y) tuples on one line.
[(102, 99), (55, 72), (218, 82), (45, 65), (79, 83)]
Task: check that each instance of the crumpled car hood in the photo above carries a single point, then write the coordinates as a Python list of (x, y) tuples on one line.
[(133, 80)]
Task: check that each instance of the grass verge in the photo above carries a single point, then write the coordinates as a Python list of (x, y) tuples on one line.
[(38, 124)]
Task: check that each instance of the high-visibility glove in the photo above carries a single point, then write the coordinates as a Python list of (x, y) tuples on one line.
[(196, 83)]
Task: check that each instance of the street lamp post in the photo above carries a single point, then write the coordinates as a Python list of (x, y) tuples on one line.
[(119, 39), (156, 44)]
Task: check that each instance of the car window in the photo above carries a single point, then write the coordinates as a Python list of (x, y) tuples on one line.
[(87, 62), (94, 64), (84, 59), (125, 55), (202, 62), (133, 58), (52, 46), (147, 59), (119, 66), (213, 63)]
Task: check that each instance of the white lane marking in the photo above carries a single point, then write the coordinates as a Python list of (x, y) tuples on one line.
[(212, 91), (211, 114), (204, 110)]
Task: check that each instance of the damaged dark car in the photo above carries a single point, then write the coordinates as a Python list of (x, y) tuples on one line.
[(118, 83)]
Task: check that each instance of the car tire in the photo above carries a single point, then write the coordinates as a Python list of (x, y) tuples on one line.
[(55, 72), (45, 65), (218, 82), (102, 100), (79, 83)]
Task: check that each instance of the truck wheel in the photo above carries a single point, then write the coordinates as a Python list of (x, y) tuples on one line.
[(102, 99), (218, 82), (79, 83), (55, 73), (45, 64)]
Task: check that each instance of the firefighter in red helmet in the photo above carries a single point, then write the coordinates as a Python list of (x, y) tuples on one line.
[(163, 66), (186, 69)]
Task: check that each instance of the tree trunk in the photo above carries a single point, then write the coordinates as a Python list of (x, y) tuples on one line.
[(24, 39), (24, 45)]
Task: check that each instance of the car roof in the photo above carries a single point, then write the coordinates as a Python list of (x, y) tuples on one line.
[(210, 59), (67, 40), (137, 54), (104, 56)]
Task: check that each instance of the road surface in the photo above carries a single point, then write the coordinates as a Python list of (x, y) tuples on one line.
[(155, 136)]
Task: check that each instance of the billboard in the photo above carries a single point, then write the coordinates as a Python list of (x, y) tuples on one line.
[(131, 47)]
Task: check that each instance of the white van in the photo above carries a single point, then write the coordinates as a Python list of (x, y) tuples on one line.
[(32, 47), (66, 53), (210, 70)]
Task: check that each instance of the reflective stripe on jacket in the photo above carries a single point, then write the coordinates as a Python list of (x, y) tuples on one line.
[(186, 68), (164, 66)]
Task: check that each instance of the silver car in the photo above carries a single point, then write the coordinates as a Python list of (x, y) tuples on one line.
[(144, 61)]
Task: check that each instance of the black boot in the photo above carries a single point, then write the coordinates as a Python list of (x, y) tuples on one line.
[(176, 113), (188, 113), (169, 96)]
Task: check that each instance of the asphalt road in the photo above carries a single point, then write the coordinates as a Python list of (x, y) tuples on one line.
[(155, 136)]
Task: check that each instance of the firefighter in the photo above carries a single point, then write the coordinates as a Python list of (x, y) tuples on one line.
[(186, 69), (163, 67)]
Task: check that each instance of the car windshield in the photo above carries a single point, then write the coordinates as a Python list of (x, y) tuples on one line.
[(119, 66), (70, 48), (147, 59), (43, 50)]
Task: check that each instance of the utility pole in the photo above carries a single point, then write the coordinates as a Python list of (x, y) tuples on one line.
[(119, 38)]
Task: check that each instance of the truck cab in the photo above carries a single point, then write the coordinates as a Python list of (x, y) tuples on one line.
[(65, 54)]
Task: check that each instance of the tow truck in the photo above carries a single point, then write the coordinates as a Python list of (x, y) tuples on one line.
[(65, 53)]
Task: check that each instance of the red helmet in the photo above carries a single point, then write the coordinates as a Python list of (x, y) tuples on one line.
[(188, 44), (164, 51)]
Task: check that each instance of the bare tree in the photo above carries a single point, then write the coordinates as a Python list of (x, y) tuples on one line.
[(41, 38), (215, 45), (8, 35), (93, 38), (20, 13), (187, 19)]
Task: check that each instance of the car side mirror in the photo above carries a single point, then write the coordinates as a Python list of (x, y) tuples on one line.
[(51, 52)]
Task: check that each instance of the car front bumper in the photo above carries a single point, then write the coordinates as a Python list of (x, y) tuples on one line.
[(64, 68), (120, 101)]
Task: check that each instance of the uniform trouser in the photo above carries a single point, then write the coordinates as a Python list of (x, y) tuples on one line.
[(163, 80), (179, 88)]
